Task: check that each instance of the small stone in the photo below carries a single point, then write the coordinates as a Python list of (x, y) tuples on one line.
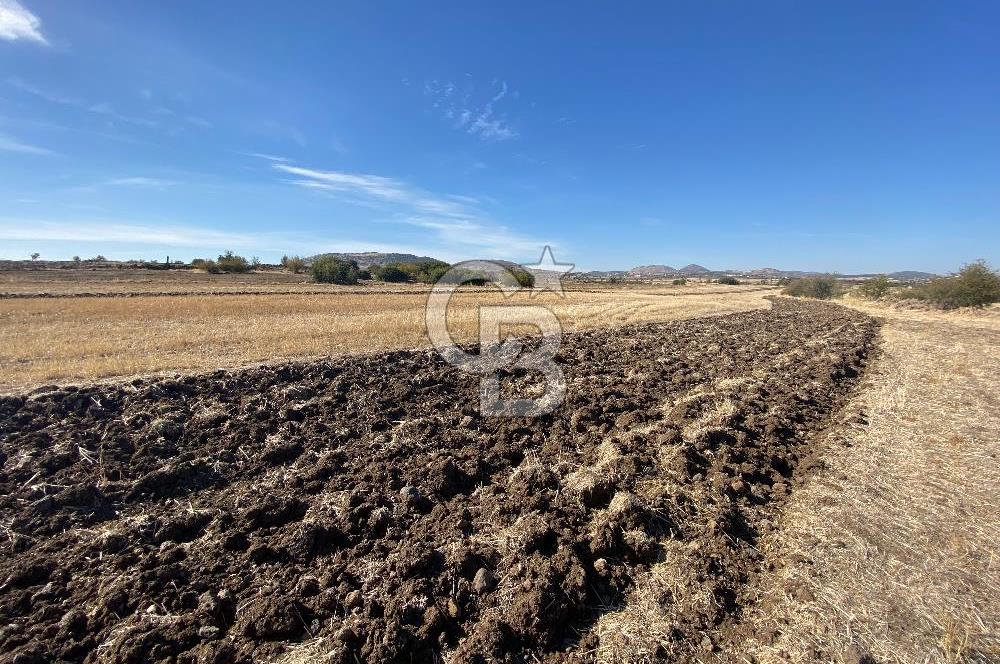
[(454, 610), (706, 644), (208, 632), (409, 493), (484, 581), (466, 422), (152, 609), (738, 486), (601, 566), (345, 635), (354, 599)]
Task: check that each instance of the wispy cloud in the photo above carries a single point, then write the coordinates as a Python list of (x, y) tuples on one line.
[(107, 233), (156, 183), (102, 231), (457, 222), (471, 111), (100, 108), (16, 23), (9, 144)]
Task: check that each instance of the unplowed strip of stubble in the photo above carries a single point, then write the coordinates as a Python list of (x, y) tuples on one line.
[(891, 551)]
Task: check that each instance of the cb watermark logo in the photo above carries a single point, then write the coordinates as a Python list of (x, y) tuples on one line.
[(497, 354)]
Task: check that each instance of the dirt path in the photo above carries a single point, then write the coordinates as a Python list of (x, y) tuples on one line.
[(359, 509), (891, 552)]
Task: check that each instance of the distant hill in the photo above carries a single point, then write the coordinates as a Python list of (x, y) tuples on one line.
[(651, 271), (693, 269), (369, 258), (912, 275)]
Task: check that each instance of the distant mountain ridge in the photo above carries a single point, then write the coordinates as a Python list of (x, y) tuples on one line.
[(695, 270)]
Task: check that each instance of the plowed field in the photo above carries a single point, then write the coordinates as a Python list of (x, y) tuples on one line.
[(359, 509)]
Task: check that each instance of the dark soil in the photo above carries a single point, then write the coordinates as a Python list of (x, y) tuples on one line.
[(362, 507)]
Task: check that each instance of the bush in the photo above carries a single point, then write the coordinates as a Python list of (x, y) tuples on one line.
[(821, 288), (679, 282), (875, 288), (332, 270), (976, 285), (230, 262), (294, 264), (729, 281), (431, 273), (389, 273), (461, 275), (524, 278), (204, 264)]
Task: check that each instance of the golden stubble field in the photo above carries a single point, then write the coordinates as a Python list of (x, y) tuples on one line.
[(74, 339)]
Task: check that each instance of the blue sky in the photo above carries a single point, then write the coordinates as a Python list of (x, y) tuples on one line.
[(848, 136)]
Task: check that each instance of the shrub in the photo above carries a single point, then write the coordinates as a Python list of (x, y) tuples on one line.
[(431, 273), (204, 264), (875, 288), (524, 278), (680, 282), (230, 262), (976, 285), (364, 274), (729, 281), (332, 270), (294, 264), (821, 288), (463, 275), (389, 273)]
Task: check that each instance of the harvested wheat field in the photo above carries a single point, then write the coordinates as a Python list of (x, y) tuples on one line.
[(358, 509), (90, 338)]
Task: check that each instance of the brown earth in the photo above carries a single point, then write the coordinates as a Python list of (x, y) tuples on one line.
[(359, 509)]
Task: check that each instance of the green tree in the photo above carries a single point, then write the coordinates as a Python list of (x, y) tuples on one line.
[(390, 273), (333, 270)]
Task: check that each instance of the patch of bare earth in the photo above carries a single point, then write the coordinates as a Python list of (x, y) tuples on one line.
[(891, 553)]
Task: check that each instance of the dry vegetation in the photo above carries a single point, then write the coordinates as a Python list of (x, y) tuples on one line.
[(891, 551), (86, 338)]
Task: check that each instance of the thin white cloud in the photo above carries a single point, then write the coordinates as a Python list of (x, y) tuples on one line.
[(204, 240), (477, 118), (100, 231), (456, 221), (156, 183), (9, 144), (102, 108), (16, 23)]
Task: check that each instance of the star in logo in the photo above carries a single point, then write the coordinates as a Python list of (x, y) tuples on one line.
[(548, 273)]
